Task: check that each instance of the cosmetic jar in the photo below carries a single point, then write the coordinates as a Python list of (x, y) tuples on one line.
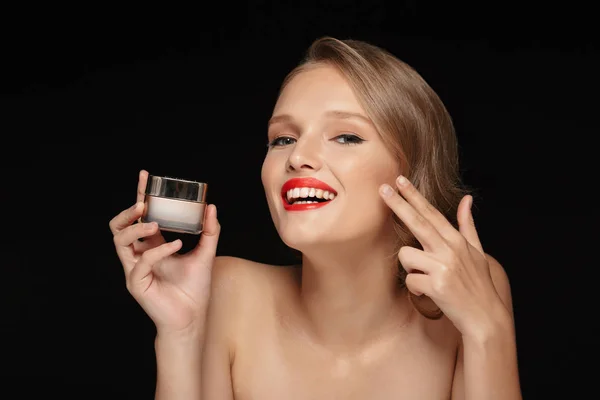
[(176, 205)]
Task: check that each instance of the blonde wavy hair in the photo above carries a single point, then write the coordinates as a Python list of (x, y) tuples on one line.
[(411, 120)]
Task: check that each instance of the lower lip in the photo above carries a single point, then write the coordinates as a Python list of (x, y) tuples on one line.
[(303, 207)]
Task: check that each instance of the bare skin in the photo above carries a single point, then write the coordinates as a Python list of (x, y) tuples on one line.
[(272, 353), (339, 326)]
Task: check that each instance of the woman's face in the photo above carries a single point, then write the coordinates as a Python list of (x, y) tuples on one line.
[(325, 164)]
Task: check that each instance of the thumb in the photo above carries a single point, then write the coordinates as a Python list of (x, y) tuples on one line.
[(466, 223), (206, 249)]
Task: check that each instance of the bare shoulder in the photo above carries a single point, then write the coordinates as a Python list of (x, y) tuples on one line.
[(241, 291), (501, 281), (239, 273), (244, 283), (231, 273), (237, 296)]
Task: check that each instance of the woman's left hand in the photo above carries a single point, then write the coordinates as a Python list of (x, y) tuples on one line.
[(452, 269)]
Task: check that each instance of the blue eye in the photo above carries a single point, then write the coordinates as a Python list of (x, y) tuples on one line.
[(345, 139), (348, 139), (281, 141)]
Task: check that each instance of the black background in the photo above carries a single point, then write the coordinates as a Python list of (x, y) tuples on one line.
[(90, 96)]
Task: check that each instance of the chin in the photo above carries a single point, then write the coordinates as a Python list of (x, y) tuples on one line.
[(305, 240), (302, 240)]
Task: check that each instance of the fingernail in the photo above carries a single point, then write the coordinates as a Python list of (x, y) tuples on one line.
[(470, 202), (387, 190), (150, 225), (134, 207), (402, 180)]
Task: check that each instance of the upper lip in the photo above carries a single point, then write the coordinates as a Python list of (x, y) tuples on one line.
[(307, 183)]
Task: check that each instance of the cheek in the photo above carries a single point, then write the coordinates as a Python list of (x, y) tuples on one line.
[(371, 171), (263, 174), (271, 176), (266, 173), (364, 191), (369, 206), (381, 170)]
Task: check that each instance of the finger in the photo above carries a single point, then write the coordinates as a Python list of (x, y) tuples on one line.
[(422, 228), (418, 284), (207, 246), (129, 235), (123, 240), (154, 240), (142, 181), (424, 207), (149, 242), (126, 218), (466, 223), (137, 280), (417, 261)]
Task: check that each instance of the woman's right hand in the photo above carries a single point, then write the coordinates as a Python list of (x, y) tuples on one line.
[(173, 289)]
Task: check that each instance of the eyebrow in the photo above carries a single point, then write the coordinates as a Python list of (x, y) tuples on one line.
[(279, 118), (332, 114), (349, 115)]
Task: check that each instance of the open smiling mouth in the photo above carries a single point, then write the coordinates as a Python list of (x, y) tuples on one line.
[(309, 197)]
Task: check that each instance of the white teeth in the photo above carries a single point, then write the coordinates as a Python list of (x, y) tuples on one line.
[(297, 193)]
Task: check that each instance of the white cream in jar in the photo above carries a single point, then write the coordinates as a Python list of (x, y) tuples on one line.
[(176, 205)]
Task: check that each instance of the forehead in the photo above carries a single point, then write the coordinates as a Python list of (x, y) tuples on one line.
[(317, 88)]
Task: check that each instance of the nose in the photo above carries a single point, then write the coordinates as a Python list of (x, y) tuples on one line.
[(306, 154)]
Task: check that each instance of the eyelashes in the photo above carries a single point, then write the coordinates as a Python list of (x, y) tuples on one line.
[(348, 139), (281, 141), (345, 139)]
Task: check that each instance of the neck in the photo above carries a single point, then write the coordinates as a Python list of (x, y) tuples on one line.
[(350, 294)]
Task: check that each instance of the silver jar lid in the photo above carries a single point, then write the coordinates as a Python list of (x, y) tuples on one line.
[(162, 186)]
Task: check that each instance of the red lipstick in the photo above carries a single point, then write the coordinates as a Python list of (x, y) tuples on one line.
[(300, 183)]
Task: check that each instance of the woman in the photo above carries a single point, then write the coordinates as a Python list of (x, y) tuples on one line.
[(395, 297)]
